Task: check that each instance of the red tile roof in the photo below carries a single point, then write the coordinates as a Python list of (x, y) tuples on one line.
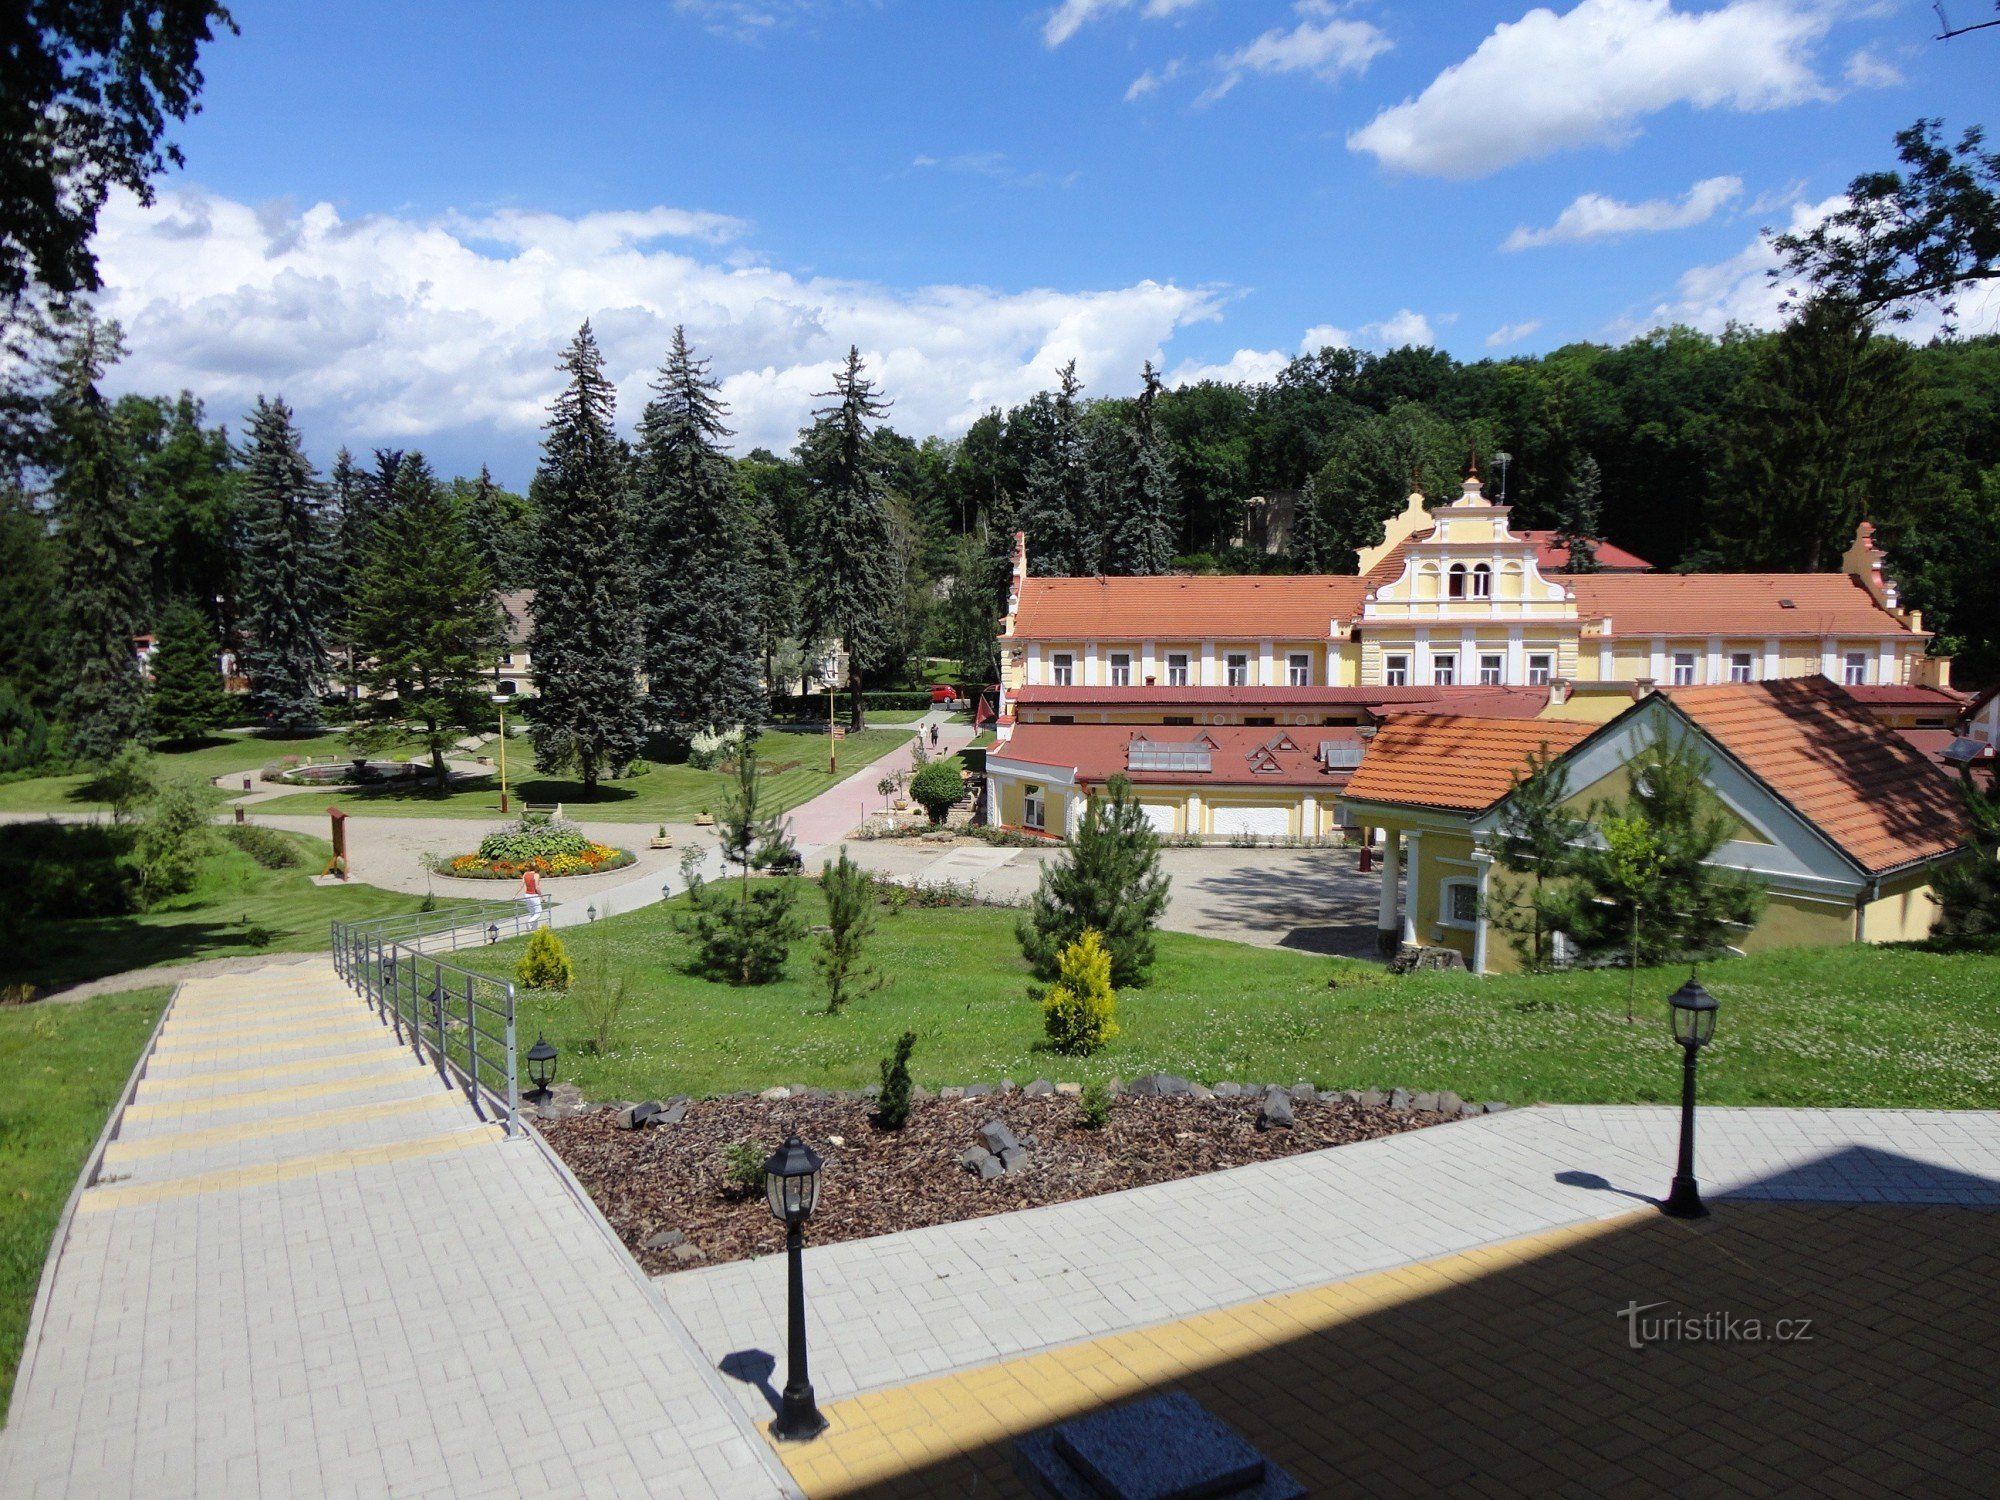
[(1731, 604), (1494, 702), (1864, 786), (1097, 752), (1245, 607), (1896, 695), (1452, 761), (1554, 557)]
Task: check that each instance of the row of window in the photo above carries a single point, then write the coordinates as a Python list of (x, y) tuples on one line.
[(1444, 669), (1180, 669)]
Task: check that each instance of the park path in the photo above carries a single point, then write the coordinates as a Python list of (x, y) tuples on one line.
[(305, 1266)]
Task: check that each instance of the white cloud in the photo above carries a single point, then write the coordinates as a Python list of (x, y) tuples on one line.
[(1549, 82), (1325, 336), (1070, 17), (389, 329), (995, 164), (1595, 217), (744, 20), (1869, 69), (1244, 367), (1323, 43), (1153, 78), (1511, 333), (1405, 327)]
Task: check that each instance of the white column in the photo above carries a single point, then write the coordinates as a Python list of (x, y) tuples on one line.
[(1308, 816), (1885, 663), (1148, 661), (1829, 659), (1264, 677), (1656, 664), (1091, 677), (1385, 920), (1517, 659), (1485, 866), (1770, 668), (1208, 677), (1410, 896), (1033, 676), (1420, 657), (1607, 660), (1193, 813), (1715, 672)]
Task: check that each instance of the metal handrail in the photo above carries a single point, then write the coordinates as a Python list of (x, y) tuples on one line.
[(476, 923), (453, 1018)]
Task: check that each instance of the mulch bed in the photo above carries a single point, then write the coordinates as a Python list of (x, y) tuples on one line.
[(672, 1178)]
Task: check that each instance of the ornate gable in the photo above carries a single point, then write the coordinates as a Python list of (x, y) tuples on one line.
[(1468, 569)]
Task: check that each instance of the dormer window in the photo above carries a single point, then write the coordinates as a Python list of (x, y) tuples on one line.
[(1482, 581)]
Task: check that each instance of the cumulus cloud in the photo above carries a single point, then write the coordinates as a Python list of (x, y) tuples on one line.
[(1550, 82), (1324, 44), (1511, 333), (1070, 17), (1153, 79), (1325, 336), (1244, 367), (1869, 69), (1405, 327), (1595, 217), (392, 329)]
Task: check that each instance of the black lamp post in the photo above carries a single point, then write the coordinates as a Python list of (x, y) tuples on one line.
[(492, 932), (1693, 1010), (541, 1066), (791, 1187)]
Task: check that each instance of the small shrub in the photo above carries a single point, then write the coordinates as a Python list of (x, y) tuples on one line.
[(710, 747), (258, 936), (267, 846), (128, 782), (937, 787), (173, 839), (546, 965), (743, 1166), (1093, 1107), (894, 1106), (429, 903), (843, 971), (1080, 1008), (600, 999), (23, 994)]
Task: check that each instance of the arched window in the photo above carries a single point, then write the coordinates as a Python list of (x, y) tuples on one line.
[(1482, 581), (1455, 581)]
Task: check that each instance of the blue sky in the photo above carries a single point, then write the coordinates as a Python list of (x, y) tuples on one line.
[(394, 214)]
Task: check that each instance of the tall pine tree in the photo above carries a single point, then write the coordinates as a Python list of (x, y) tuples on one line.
[(101, 582), (426, 623), (288, 564), (585, 641), (1580, 518), (1142, 505), (851, 587), (1058, 502), (773, 584), (701, 618), (188, 700), (1311, 543)]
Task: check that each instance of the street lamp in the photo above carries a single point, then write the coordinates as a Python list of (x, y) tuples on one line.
[(500, 702), (791, 1188), (492, 932), (1501, 460), (590, 911), (1693, 1010), (541, 1066)]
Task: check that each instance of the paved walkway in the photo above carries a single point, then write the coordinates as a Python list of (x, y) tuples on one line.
[(305, 1267)]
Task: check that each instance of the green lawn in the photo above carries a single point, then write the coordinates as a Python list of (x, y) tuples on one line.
[(1818, 1027), (65, 1065), (212, 921), (795, 765), (211, 757)]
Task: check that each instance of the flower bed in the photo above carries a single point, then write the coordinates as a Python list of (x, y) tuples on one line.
[(553, 847)]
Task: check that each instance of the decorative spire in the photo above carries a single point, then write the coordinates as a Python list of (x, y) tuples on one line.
[(1471, 460)]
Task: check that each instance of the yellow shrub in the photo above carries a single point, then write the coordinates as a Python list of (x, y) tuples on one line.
[(1080, 1008), (546, 965)]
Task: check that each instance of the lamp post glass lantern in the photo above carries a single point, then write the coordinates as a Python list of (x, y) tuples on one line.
[(791, 1189), (1693, 1011), (492, 932), (541, 1066)]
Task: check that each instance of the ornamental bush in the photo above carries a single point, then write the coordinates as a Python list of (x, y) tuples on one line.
[(893, 1109), (1079, 1011), (520, 842), (546, 965), (937, 786)]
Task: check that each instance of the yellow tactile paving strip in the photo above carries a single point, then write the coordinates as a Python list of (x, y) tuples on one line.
[(1506, 1370), (117, 1153), (208, 1106), (376, 1041), (233, 1179), (151, 1089), (287, 1021)]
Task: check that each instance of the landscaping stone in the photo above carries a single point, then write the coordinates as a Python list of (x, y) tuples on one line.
[(1467, 1109), (674, 1113), (951, 1092), (1196, 1091), (1350, 1096), (686, 1253), (1303, 1093), (1007, 1085), (977, 1090), (1228, 1090), (998, 1137), (636, 1115), (1373, 1099), (991, 1167), (1449, 1103), (1277, 1111), (1427, 1102), (1399, 1099), (1014, 1158), (772, 1096), (1069, 1090), (1041, 1088), (974, 1159), (664, 1239), (1494, 1106), (874, 1091)]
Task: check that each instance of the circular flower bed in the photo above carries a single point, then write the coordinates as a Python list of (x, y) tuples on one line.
[(555, 847)]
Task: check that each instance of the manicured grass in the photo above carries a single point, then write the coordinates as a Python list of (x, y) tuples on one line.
[(795, 772), (214, 920), (1806, 1027), (211, 757), (65, 1065)]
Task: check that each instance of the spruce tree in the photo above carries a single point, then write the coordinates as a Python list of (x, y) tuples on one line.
[(851, 589), (426, 624), (702, 641), (502, 526), (773, 586), (101, 580), (288, 566), (188, 699), (1968, 891), (1538, 836), (1108, 880), (584, 644), (1058, 501), (1311, 544), (1142, 502), (1580, 519)]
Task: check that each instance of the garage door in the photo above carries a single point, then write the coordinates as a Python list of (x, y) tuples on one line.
[(1264, 821), (1160, 815)]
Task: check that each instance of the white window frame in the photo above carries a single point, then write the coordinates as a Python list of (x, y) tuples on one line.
[(1396, 670), (1854, 668), (1299, 669), (1178, 668), (1455, 585), (1034, 808), (1541, 668), (1448, 888), (1062, 669), (1236, 669), (1482, 581), (1492, 668), (1121, 669), (1742, 666), (1682, 669), (1444, 669)]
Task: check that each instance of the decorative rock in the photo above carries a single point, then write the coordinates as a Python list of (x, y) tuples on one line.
[(1147, 1085), (1399, 1099), (836, 1140), (1014, 1158), (952, 1092), (999, 1139), (1116, 1086), (1196, 1091), (685, 1253), (1450, 1103), (1227, 1090), (674, 1113), (806, 1093), (1277, 1111), (1007, 1085), (1069, 1090), (991, 1167), (974, 1159), (977, 1090), (1467, 1109), (1373, 1099), (1303, 1093), (773, 1096), (1350, 1096), (636, 1115), (871, 1091), (664, 1239), (1427, 1103), (1494, 1106), (1041, 1088)]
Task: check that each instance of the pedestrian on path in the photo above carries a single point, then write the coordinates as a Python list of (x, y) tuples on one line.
[(531, 892), (934, 734)]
